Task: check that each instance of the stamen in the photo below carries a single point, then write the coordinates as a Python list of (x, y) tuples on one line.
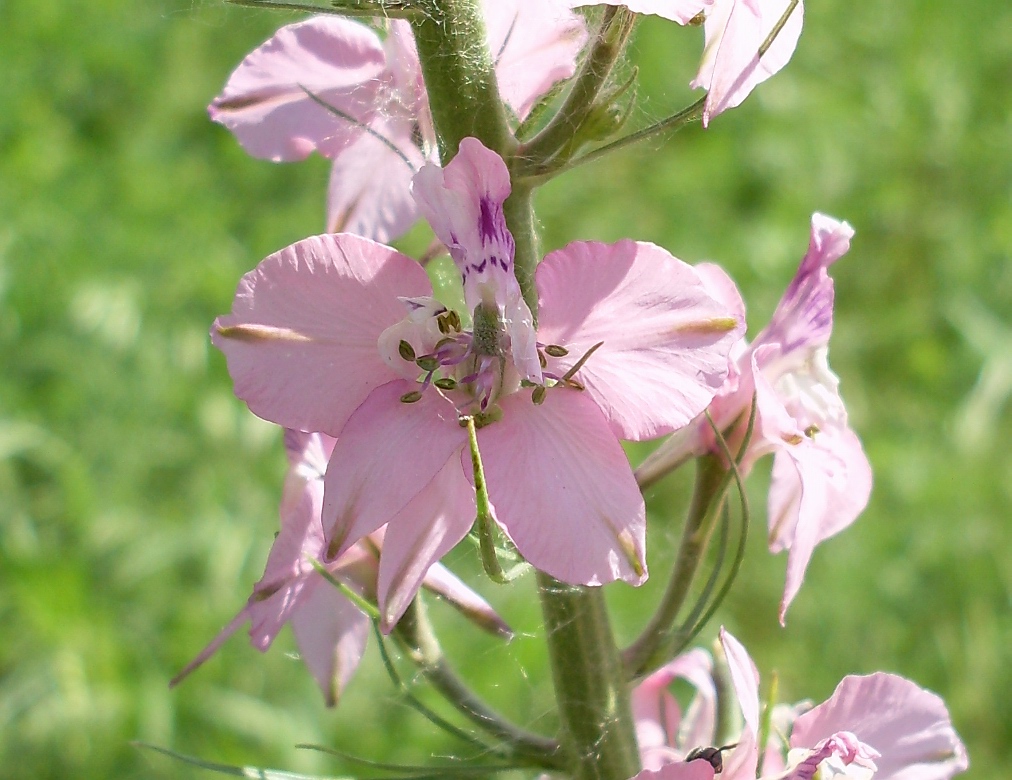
[(406, 351), (428, 363), (579, 363)]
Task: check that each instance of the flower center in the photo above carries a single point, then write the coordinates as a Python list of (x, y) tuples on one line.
[(471, 368)]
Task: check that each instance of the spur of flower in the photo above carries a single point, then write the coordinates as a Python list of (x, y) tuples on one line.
[(821, 477), (340, 334), (878, 726), (332, 85), (330, 629)]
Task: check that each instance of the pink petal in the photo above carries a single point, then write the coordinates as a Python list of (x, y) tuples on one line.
[(534, 45), (803, 319), (665, 338), (387, 454), (265, 103), (735, 30), (742, 762), (818, 488), (654, 707), (563, 490), (463, 203), (908, 725), (744, 677), (369, 192), (331, 634), (681, 11), (449, 587), (234, 625), (699, 769), (301, 339), (420, 534)]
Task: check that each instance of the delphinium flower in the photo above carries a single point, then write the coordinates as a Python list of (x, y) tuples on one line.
[(340, 334), (330, 630), (738, 54), (332, 85), (878, 726), (821, 476)]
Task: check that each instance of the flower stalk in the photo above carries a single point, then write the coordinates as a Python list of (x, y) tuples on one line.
[(593, 698), (649, 649), (460, 76), (416, 636)]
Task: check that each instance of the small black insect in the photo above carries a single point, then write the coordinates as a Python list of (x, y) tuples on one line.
[(710, 754)]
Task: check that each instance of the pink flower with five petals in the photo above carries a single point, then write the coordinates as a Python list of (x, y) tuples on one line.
[(341, 335)]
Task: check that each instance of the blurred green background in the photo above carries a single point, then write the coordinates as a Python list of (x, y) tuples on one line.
[(138, 498)]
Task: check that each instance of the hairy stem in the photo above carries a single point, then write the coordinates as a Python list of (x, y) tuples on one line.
[(597, 727), (460, 76), (418, 639)]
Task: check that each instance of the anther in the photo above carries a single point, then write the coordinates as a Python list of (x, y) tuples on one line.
[(538, 396), (542, 359), (556, 351), (445, 383), (412, 397), (406, 351), (427, 363), (811, 430)]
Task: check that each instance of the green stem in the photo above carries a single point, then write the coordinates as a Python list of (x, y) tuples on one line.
[(686, 116), (419, 641), (650, 646), (368, 12), (597, 727), (609, 43), (460, 76)]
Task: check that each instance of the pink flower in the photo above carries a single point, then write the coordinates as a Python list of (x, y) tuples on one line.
[(665, 734), (821, 476), (698, 769), (329, 628), (880, 726), (318, 340), (380, 132), (735, 31)]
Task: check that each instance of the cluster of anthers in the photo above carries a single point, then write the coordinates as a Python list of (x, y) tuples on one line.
[(475, 366)]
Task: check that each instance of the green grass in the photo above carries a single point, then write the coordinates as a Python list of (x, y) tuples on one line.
[(138, 498)]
